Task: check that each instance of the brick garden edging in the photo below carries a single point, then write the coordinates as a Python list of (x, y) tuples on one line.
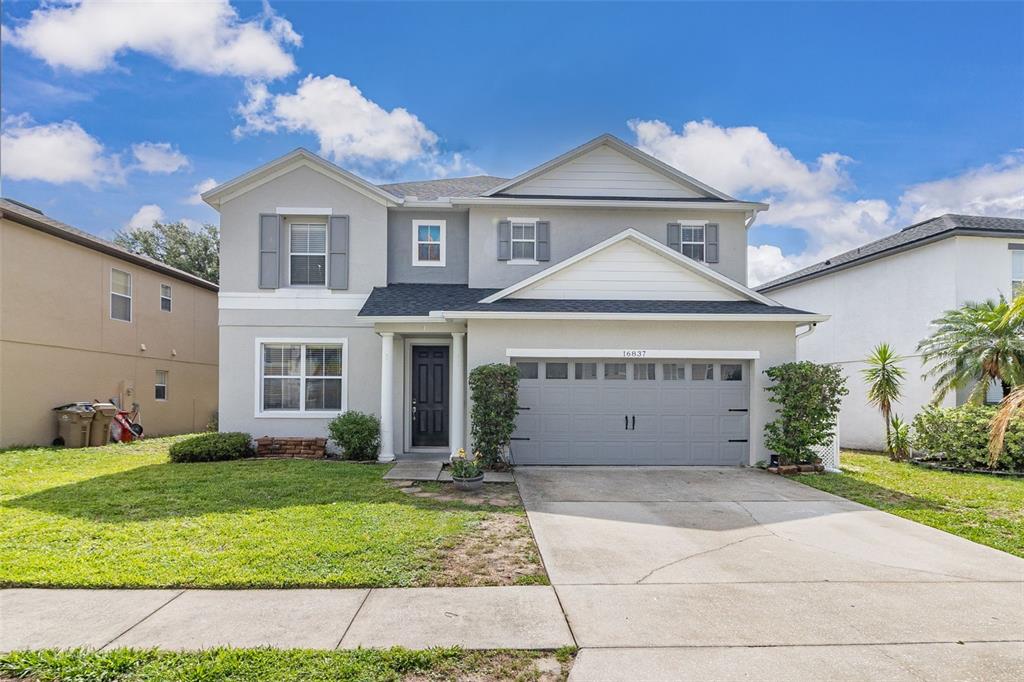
[(305, 448)]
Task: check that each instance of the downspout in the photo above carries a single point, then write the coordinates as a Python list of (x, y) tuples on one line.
[(811, 326)]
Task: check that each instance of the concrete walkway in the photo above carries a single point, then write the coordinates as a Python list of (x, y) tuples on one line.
[(720, 574)]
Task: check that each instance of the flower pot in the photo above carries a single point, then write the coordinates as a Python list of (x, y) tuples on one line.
[(474, 483)]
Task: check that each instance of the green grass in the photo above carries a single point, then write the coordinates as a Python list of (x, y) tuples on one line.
[(986, 509), (123, 516), (242, 665)]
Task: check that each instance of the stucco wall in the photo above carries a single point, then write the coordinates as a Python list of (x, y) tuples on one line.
[(400, 249)]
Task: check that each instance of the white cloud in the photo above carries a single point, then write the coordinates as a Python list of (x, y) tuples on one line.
[(158, 157), (206, 37), (145, 216), (55, 152), (196, 198), (994, 189)]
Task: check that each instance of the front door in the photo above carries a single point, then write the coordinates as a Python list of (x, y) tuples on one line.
[(429, 396)]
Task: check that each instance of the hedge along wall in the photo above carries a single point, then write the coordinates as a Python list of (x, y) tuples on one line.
[(960, 435)]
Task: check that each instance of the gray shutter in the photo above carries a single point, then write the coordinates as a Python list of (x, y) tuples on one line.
[(711, 243), (270, 244), (338, 248), (543, 240), (504, 240), (673, 236)]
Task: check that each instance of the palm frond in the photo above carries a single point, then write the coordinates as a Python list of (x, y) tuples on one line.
[(1011, 408)]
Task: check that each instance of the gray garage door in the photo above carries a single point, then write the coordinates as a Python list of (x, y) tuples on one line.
[(631, 412)]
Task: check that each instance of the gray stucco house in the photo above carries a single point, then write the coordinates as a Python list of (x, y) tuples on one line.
[(615, 283)]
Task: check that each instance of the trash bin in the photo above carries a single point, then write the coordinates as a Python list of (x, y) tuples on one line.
[(73, 422), (103, 414)]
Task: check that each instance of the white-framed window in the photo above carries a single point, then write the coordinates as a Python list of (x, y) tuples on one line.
[(524, 240), (120, 295), (1017, 273), (692, 234), (165, 298), (301, 377), (428, 243), (307, 254), (160, 385)]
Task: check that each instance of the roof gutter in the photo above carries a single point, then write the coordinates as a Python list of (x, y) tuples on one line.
[(647, 317)]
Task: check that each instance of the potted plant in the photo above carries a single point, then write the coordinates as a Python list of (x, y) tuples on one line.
[(467, 474)]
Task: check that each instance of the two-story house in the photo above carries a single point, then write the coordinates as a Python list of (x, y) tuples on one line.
[(615, 283), (891, 290)]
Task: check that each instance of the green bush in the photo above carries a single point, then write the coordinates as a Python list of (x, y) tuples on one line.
[(212, 447), (357, 434), (494, 390), (959, 435), (808, 396)]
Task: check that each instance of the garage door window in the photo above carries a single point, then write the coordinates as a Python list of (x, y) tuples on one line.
[(732, 372), (643, 371), (615, 371), (556, 370), (586, 371), (671, 371), (527, 370), (703, 371)]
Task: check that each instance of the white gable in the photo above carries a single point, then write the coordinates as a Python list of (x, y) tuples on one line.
[(627, 270), (605, 172)]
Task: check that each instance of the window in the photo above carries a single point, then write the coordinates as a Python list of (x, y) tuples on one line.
[(307, 263), (586, 371), (527, 370), (614, 371), (302, 377), (994, 392), (672, 371), (691, 239), (556, 370), (120, 295), (702, 371), (524, 239), (428, 246), (643, 371), (165, 298), (1017, 276), (160, 387), (732, 372)]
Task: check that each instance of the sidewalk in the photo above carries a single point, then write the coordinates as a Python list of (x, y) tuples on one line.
[(521, 617)]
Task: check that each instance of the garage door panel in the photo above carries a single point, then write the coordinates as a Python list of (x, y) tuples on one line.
[(529, 394)]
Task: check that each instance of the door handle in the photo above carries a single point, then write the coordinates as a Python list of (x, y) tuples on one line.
[(414, 407), (634, 423), (627, 421)]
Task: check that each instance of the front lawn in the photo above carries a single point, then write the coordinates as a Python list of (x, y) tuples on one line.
[(241, 665), (986, 509), (123, 516)]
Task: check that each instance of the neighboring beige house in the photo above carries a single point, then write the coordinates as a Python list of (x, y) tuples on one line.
[(82, 318)]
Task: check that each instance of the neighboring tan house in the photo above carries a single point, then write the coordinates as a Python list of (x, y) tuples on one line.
[(82, 318), (614, 282), (890, 290)]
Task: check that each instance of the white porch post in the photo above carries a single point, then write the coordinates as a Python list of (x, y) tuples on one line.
[(387, 402), (458, 392)]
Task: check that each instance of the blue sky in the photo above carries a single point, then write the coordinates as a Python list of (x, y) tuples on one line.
[(851, 119)]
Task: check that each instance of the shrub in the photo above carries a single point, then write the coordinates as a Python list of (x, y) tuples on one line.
[(808, 396), (212, 447), (494, 390), (959, 435), (357, 434)]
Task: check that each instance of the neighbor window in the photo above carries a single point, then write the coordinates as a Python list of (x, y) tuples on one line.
[(732, 372), (994, 392), (1017, 276), (586, 371), (307, 254), (524, 239), (691, 240), (428, 242), (120, 295), (165, 298), (672, 371), (614, 371), (527, 370), (556, 370), (160, 387), (643, 371), (702, 371), (302, 377)]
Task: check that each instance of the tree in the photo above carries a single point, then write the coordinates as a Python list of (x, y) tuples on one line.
[(494, 391), (1012, 406), (975, 343), (808, 397), (194, 251), (884, 377)]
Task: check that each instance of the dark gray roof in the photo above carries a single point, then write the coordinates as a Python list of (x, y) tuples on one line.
[(417, 300), (429, 190), (909, 237)]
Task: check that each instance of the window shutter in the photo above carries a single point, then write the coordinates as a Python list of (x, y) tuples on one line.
[(544, 240), (673, 237), (711, 243), (504, 240), (337, 270), (270, 244)]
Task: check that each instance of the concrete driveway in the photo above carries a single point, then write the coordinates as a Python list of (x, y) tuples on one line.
[(705, 573)]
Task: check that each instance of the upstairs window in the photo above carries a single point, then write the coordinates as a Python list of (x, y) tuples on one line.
[(691, 240), (428, 247), (1017, 273), (165, 298), (524, 240), (120, 295), (307, 263)]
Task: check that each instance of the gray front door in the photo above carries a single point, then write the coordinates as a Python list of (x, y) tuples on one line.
[(631, 412)]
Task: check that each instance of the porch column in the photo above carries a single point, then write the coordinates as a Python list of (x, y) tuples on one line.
[(458, 392), (387, 402)]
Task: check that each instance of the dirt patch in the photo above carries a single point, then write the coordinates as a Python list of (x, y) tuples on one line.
[(499, 551), (500, 666)]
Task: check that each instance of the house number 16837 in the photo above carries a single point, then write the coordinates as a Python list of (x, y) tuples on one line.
[(634, 353)]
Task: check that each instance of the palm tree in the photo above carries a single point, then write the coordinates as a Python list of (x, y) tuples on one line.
[(1012, 405), (884, 377), (979, 343)]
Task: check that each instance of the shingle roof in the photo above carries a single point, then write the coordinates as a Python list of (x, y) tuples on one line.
[(429, 190), (909, 237), (418, 300)]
